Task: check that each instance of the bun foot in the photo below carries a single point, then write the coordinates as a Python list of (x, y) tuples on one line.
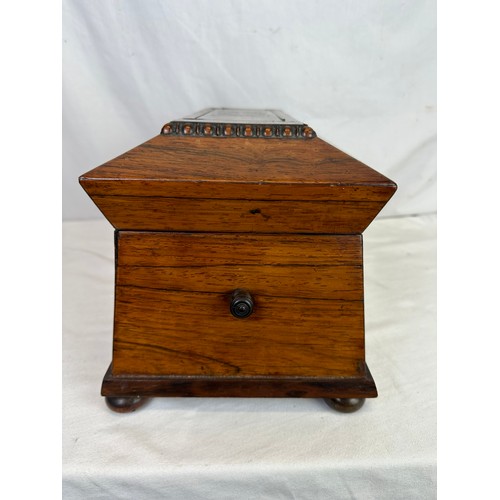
[(123, 404), (345, 405)]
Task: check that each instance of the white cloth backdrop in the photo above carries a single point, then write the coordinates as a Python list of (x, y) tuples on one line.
[(362, 74)]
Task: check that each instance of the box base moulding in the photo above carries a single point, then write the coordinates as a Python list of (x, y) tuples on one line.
[(125, 393)]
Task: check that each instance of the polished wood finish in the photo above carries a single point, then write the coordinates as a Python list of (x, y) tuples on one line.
[(255, 216), (172, 306), (161, 331), (184, 249), (122, 404), (360, 386), (322, 267), (227, 168), (262, 213), (345, 405), (306, 282), (238, 185), (285, 190)]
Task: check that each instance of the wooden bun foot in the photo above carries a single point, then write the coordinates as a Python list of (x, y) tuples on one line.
[(124, 404), (345, 405)]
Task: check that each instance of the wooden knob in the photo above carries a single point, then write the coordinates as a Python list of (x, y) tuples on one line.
[(241, 304)]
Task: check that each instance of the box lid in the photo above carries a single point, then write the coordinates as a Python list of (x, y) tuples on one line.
[(233, 154)]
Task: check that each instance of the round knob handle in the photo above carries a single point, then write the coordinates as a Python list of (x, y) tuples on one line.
[(241, 304)]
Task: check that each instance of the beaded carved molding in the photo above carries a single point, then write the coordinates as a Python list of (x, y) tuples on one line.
[(248, 123)]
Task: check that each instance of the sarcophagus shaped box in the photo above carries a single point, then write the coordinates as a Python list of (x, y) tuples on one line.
[(239, 262)]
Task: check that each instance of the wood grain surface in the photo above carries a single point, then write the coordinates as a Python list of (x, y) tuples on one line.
[(240, 161), (259, 216), (247, 185), (199, 217), (146, 248), (325, 267), (172, 305), (361, 385), (192, 333)]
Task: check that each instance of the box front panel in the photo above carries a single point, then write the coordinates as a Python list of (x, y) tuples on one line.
[(173, 292)]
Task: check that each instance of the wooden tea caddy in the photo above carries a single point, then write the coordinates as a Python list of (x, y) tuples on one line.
[(239, 262)]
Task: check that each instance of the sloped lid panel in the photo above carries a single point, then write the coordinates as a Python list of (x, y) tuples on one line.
[(205, 167), (232, 184)]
